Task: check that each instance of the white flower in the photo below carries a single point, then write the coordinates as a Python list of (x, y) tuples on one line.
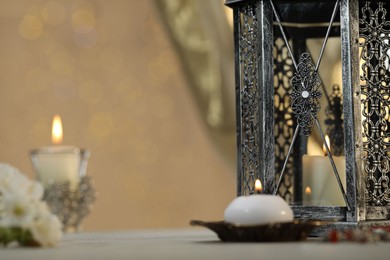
[(17, 211), (46, 230), (12, 181), (34, 190), (9, 178), (21, 206)]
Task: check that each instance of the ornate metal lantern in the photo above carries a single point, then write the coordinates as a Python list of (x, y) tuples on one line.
[(278, 94)]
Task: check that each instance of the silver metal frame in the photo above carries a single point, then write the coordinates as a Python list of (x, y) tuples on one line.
[(349, 23)]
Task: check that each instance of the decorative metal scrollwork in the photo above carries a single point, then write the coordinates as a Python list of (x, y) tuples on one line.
[(249, 99), (305, 93), (335, 121), (375, 91)]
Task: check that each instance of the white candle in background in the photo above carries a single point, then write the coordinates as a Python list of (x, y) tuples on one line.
[(57, 163), (318, 175)]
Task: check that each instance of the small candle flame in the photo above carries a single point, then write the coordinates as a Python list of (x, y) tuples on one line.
[(308, 190), (56, 133), (327, 140), (258, 186)]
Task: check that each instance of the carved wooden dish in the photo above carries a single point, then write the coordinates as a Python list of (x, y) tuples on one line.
[(296, 230)]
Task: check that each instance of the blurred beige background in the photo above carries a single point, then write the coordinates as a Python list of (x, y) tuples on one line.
[(110, 70)]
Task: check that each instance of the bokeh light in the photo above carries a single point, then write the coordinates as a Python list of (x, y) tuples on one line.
[(53, 13), (63, 89), (83, 20), (62, 63), (100, 125), (111, 58), (85, 40), (89, 58), (37, 80), (129, 89), (109, 69), (31, 27), (90, 91)]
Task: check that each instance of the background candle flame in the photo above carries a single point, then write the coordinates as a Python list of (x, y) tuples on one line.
[(258, 186), (56, 133), (308, 190), (327, 140)]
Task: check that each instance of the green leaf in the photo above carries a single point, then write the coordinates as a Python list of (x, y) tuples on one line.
[(25, 238), (7, 235)]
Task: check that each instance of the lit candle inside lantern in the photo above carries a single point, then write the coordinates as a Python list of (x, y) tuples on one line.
[(258, 186), (258, 209), (319, 177), (307, 196), (58, 163)]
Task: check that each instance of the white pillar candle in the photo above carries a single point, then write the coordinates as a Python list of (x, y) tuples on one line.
[(59, 164), (319, 176)]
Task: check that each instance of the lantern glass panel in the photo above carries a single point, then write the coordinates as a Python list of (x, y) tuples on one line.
[(309, 178)]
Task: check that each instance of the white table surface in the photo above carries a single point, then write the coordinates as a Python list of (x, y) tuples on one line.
[(189, 244)]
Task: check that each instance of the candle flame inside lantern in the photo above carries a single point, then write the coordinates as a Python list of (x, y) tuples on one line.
[(56, 133), (327, 140), (258, 186), (308, 190)]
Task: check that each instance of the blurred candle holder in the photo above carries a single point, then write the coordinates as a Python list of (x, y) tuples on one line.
[(62, 170)]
